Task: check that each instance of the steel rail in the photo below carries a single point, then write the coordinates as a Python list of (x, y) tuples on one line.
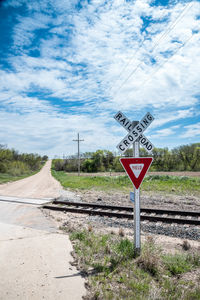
[(110, 211), (130, 208)]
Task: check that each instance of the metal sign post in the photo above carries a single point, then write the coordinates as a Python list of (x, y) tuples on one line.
[(137, 238), (137, 234)]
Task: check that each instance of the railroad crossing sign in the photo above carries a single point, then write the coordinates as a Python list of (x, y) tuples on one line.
[(136, 168), (135, 132)]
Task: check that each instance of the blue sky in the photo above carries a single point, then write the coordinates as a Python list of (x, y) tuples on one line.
[(69, 66)]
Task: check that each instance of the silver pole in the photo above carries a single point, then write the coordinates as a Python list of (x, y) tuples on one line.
[(137, 238)]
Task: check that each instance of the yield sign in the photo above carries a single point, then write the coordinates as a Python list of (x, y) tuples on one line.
[(136, 168)]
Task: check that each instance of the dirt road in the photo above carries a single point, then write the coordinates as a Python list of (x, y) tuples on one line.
[(34, 255), (40, 185)]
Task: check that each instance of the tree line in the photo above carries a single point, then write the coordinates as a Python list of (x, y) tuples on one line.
[(16, 164), (183, 158)]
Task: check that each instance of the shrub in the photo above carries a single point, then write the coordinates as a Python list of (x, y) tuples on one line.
[(2, 168), (150, 260), (125, 248)]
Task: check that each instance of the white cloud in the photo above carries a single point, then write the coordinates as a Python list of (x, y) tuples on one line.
[(166, 132), (86, 59), (163, 118), (52, 133), (191, 131), (104, 38)]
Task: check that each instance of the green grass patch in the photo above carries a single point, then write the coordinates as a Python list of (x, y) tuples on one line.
[(177, 264), (158, 183), (91, 182), (175, 184), (4, 177), (114, 273)]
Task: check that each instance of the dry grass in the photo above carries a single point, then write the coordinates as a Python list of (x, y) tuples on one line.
[(150, 260), (121, 232), (186, 245)]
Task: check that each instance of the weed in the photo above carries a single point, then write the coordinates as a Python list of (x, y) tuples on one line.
[(186, 245), (138, 286), (192, 295), (90, 228), (103, 240), (125, 248), (170, 290), (177, 264), (121, 232), (150, 258), (107, 249), (193, 257), (79, 235)]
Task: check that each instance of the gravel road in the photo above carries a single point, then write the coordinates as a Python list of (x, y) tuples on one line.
[(40, 185)]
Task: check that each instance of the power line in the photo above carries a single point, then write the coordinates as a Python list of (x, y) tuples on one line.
[(180, 16), (170, 28), (153, 73), (150, 77), (129, 61)]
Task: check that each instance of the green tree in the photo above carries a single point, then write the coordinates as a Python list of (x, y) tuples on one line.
[(162, 159), (189, 155)]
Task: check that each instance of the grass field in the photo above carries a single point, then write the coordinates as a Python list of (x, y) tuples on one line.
[(159, 183), (4, 177), (108, 262)]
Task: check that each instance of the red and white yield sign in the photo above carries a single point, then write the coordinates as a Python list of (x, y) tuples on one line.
[(136, 168)]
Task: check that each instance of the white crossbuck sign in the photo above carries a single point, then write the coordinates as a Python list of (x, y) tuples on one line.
[(135, 132)]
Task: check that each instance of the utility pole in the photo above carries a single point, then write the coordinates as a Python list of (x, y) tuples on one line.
[(79, 162)]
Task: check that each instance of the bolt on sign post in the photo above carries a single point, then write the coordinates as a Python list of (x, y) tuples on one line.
[(135, 167)]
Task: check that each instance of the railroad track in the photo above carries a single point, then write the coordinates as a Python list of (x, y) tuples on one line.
[(150, 214)]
